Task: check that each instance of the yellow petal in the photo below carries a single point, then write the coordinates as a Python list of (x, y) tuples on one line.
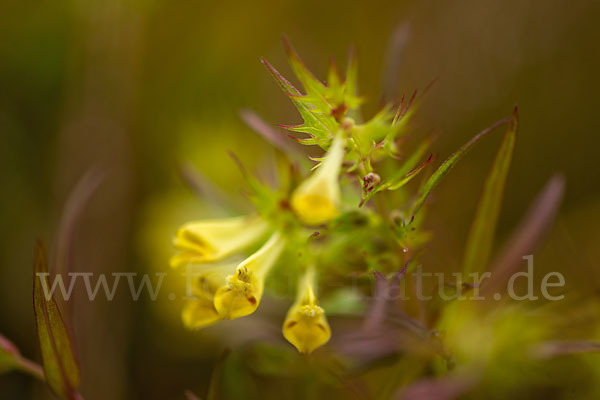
[(205, 280), (305, 325), (199, 313), (317, 199), (200, 310), (243, 291), (239, 297), (213, 240)]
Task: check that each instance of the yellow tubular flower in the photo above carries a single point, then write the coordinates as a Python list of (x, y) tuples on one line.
[(212, 240), (243, 291), (317, 199), (306, 326), (200, 310)]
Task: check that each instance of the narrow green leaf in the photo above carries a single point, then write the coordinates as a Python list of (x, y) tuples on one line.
[(481, 235), (283, 83), (404, 174), (333, 75), (321, 126), (412, 161), (351, 82), (310, 83), (336, 97), (378, 127), (324, 106), (350, 87), (398, 182), (58, 360), (447, 165)]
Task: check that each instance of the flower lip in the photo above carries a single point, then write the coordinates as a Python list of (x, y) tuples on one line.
[(241, 294), (199, 310), (237, 298), (306, 325)]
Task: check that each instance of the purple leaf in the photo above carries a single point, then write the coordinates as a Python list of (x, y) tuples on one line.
[(527, 235), (259, 126)]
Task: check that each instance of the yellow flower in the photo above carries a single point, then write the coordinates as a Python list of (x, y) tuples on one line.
[(305, 325), (243, 291), (317, 199), (203, 283), (229, 291), (213, 240)]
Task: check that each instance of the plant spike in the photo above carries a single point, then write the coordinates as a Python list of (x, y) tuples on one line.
[(310, 83), (450, 162), (526, 236), (58, 358), (481, 235)]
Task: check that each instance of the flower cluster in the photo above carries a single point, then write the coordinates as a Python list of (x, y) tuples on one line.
[(225, 290)]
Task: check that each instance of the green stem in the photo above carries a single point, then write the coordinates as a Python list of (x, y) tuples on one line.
[(31, 368)]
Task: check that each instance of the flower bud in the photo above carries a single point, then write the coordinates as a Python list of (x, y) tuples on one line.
[(317, 199)]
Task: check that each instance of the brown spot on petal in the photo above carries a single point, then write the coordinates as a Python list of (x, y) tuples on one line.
[(291, 324)]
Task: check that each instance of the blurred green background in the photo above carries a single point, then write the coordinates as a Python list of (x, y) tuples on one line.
[(140, 87)]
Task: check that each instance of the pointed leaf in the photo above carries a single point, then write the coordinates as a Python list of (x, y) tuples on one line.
[(333, 75), (376, 129), (60, 368), (350, 87), (256, 123), (310, 83), (447, 165), (336, 97), (412, 161), (351, 83), (319, 125), (526, 236), (397, 183), (285, 85), (481, 235)]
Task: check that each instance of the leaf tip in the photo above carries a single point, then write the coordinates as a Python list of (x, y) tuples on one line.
[(40, 263)]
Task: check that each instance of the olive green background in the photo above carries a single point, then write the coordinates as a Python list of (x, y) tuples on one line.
[(139, 87)]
